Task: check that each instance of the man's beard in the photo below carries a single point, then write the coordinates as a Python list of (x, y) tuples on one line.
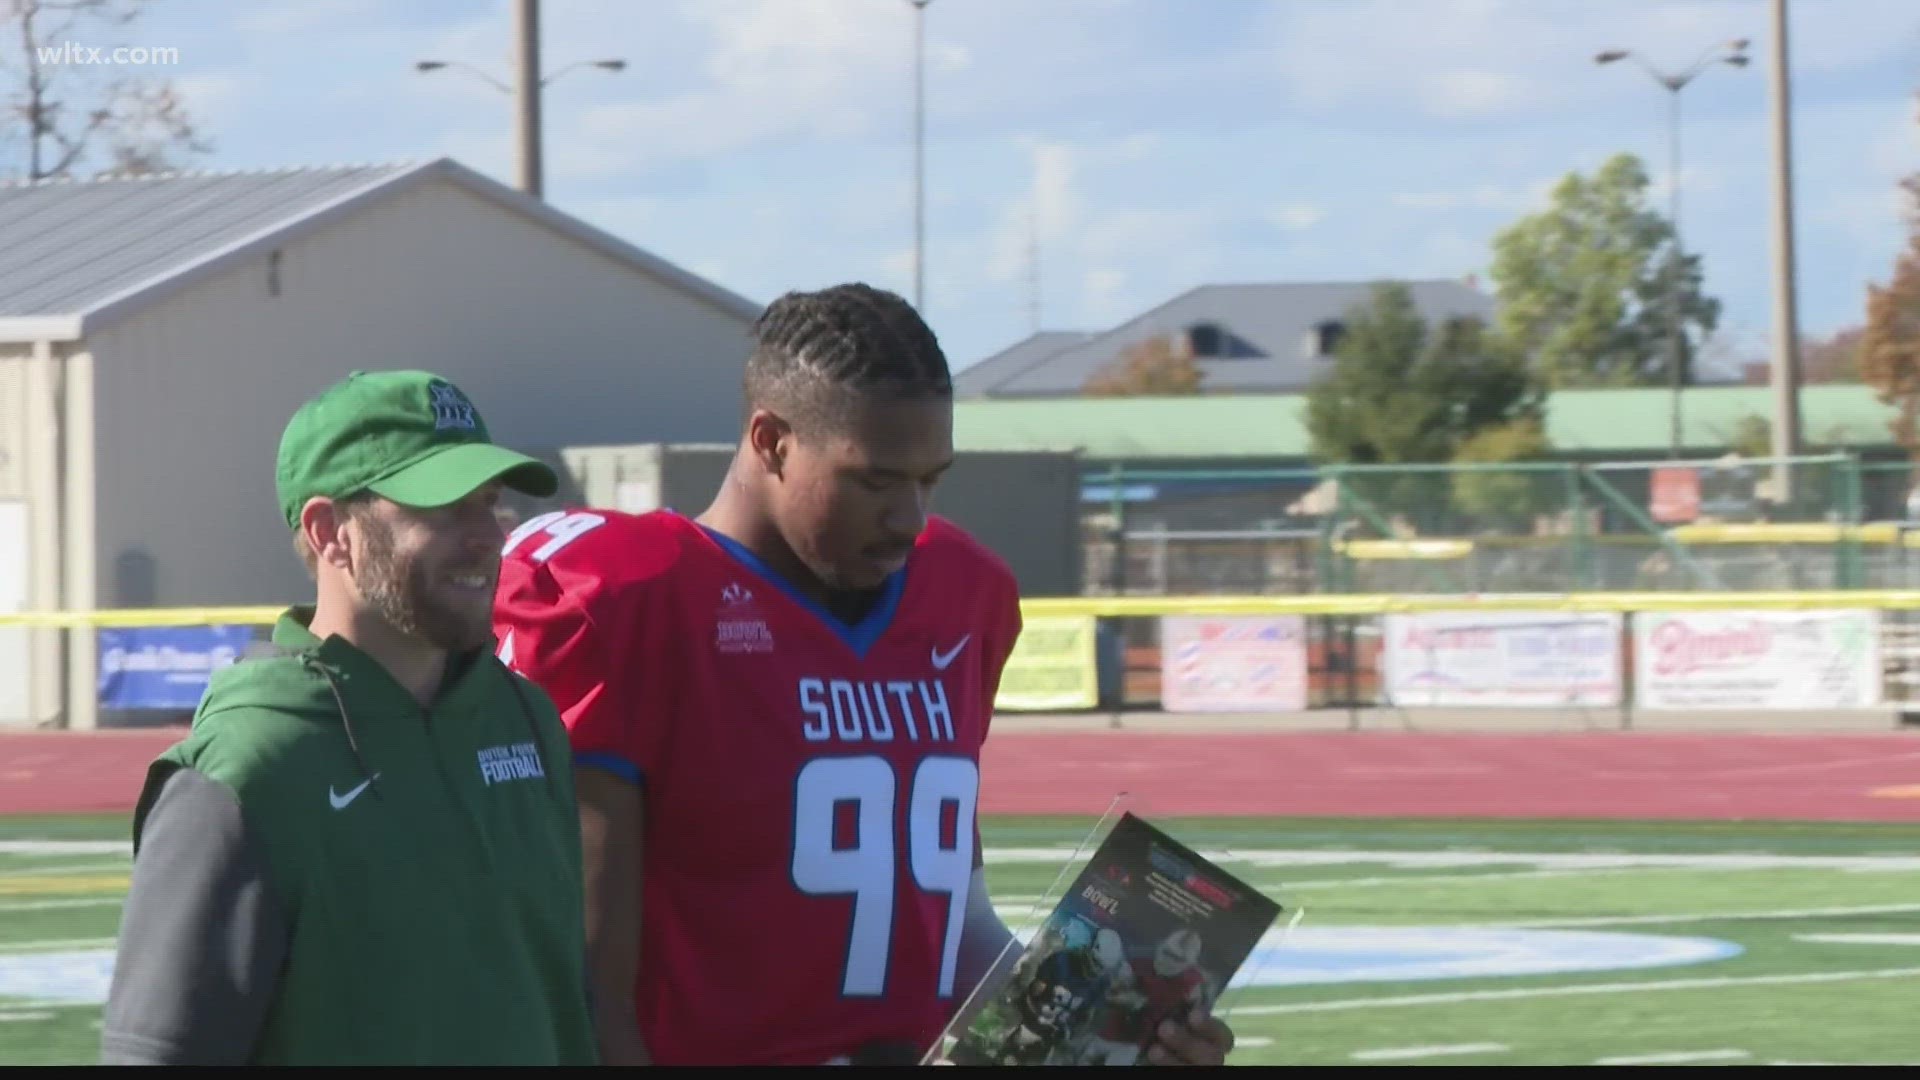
[(401, 591)]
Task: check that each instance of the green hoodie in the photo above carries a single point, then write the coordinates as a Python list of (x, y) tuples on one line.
[(425, 862)]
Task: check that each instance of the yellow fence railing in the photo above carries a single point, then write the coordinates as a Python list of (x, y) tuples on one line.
[(1149, 606)]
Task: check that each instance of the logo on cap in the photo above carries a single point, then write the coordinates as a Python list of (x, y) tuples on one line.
[(451, 409)]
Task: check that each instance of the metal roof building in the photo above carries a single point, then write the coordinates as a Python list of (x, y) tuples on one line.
[(156, 333), (1247, 339)]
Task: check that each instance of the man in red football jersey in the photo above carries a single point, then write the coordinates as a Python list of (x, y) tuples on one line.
[(777, 709)]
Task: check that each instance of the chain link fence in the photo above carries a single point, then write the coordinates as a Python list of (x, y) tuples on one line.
[(1731, 523)]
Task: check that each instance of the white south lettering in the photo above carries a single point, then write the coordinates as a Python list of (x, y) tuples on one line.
[(859, 710)]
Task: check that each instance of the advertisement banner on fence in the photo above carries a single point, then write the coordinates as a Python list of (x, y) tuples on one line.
[(1233, 663), (1522, 658), (1053, 666), (164, 667), (1756, 659)]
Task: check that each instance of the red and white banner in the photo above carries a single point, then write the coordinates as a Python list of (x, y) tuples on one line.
[(1233, 663), (1526, 658), (1757, 659)]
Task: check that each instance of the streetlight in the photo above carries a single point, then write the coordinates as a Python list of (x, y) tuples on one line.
[(919, 154), (1734, 53), (527, 60)]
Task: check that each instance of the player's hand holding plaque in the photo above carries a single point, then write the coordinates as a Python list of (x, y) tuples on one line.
[(1127, 968)]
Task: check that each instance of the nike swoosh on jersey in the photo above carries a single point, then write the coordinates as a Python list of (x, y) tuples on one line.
[(339, 801), (942, 659)]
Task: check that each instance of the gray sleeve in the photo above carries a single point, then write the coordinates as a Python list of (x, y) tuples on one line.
[(202, 936), (983, 956)]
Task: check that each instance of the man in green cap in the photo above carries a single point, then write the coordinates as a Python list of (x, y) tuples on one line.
[(366, 850)]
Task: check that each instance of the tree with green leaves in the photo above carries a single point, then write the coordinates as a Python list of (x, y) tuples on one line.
[(1507, 498), (1403, 390), (1591, 287)]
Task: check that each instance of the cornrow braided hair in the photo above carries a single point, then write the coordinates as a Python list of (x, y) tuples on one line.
[(814, 348)]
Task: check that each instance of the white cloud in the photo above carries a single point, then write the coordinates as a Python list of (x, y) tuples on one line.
[(1463, 58), (794, 71), (1103, 297), (1463, 92), (1523, 196), (1053, 210), (1296, 218)]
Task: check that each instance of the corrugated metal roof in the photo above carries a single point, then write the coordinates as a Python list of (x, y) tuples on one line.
[(71, 245), (77, 253), (1273, 426), (1265, 329)]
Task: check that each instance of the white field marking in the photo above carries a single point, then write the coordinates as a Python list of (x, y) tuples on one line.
[(1859, 939), (1541, 860), (1023, 912), (63, 870), (1347, 1004), (1404, 1053), (1678, 1058), (1498, 875), (1695, 917), (1253, 1041), (52, 905), (1893, 864), (67, 847), (13, 1017), (55, 945)]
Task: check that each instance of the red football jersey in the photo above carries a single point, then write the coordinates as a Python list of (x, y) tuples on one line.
[(1164, 995), (810, 786)]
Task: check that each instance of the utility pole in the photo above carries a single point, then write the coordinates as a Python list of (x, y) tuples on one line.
[(526, 47), (1786, 323), (1735, 54), (920, 155), (527, 88)]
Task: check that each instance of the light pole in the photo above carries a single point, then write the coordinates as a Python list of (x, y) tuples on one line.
[(919, 154), (1734, 53), (527, 89), (1786, 328)]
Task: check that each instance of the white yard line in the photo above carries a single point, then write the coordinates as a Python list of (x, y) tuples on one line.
[(53, 905), (1859, 939), (1449, 879), (65, 870), (66, 847), (55, 945), (1455, 859), (1470, 878), (1024, 911), (1696, 917), (20, 1017), (1409, 1053), (1685, 1057), (1349, 1004)]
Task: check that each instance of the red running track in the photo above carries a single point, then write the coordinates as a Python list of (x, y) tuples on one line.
[(1394, 774), (1386, 774)]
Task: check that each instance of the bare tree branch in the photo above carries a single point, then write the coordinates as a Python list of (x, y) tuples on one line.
[(68, 116)]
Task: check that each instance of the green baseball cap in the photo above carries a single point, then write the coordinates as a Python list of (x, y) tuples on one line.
[(408, 436)]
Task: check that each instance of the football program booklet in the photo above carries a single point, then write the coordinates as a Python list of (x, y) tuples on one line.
[(1148, 930)]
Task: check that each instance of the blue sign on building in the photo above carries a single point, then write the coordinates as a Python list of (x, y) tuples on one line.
[(164, 667)]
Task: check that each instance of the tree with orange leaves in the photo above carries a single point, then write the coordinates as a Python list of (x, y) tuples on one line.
[(1890, 347)]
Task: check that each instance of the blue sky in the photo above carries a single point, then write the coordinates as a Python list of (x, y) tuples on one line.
[(1150, 145)]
